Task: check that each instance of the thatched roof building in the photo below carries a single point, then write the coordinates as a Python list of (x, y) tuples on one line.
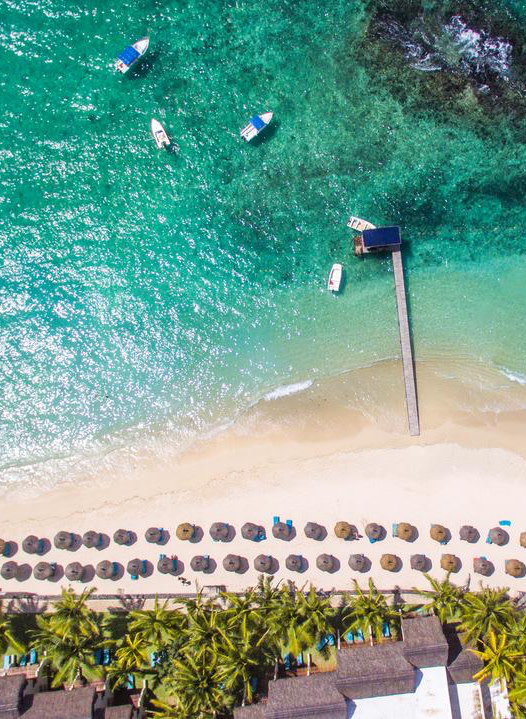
[(75, 704), (464, 666), (304, 697), (251, 711), (424, 642), (374, 672), (11, 690), (124, 711)]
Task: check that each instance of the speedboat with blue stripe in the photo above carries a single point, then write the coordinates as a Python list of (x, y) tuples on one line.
[(131, 54), (256, 124)]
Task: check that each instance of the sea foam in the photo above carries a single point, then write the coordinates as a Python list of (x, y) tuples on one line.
[(287, 389)]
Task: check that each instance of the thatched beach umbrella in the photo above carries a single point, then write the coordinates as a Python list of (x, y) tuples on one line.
[(9, 570), (405, 531), (325, 562), (185, 531), (343, 530), (450, 563), (263, 563), (219, 531), (63, 540), (74, 571), (153, 535), (438, 532), (294, 563), (389, 562), (232, 563), (121, 536), (134, 567), (374, 531), (419, 562), (499, 536), (313, 530), (104, 570), (30, 544), (358, 562), (280, 530), (166, 565), (483, 566), (90, 539), (250, 531), (43, 570), (469, 534), (522, 539), (515, 568), (199, 563)]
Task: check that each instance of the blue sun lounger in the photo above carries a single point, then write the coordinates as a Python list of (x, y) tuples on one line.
[(33, 657), (359, 635), (349, 637), (386, 630)]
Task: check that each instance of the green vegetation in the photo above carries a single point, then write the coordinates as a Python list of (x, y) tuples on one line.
[(206, 656)]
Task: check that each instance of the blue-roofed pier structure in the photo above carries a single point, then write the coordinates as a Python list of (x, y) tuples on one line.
[(389, 239)]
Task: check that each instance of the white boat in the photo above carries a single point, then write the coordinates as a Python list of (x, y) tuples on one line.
[(131, 54), (159, 134), (355, 223), (256, 124), (335, 278)]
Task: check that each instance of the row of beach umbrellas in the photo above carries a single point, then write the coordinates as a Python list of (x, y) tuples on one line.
[(105, 569), (222, 531)]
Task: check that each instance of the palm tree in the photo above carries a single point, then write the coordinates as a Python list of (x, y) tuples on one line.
[(7, 638), (132, 655), (242, 609), (157, 626), (72, 616), (318, 616), (71, 657), (489, 610), (517, 692), (171, 711), (196, 684), (241, 657), (500, 659), (203, 635), (369, 612), (445, 598)]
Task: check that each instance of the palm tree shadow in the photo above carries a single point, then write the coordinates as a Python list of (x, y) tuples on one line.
[(58, 574), (212, 566), (27, 605), (244, 566), (88, 574), (197, 535), (23, 572)]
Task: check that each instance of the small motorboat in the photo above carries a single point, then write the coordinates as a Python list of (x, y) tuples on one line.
[(355, 223), (159, 134), (335, 278), (131, 54), (256, 124)]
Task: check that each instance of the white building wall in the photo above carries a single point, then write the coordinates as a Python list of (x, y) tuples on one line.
[(469, 701)]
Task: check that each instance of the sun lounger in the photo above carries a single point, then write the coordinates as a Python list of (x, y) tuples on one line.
[(23, 660), (114, 569), (505, 523), (41, 546), (161, 530), (144, 566), (100, 541), (7, 661), (130, 681), (53, 566), (395, 530), (488, 539), (275, 520), (359, 635), (287, 662), (106, 657), (33, 657), (386, 630), (98, 657), (7, 549), (349, 637), (289, 523), (153, 659), (254, 683), (299, 659)]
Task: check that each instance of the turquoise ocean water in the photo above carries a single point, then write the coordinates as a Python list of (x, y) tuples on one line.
[(145, 291)]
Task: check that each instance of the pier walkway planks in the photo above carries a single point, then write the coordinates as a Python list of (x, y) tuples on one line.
[(405, 343)]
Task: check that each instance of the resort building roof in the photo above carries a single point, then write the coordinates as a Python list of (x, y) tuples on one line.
[(424, 642), (374, 671), (305, 697), (74, 704), (124, 711), (11, 688), (381, 237)]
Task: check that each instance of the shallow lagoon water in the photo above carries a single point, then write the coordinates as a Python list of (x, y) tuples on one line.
[(146, 292)]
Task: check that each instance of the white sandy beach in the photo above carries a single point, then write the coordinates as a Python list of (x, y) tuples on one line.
[(464, 469)]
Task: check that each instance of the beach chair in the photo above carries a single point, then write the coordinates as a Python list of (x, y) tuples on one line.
[(253, 684), (505, 523), (322, 643), (275, 520), (349, 637), (153, 659), (359, 635), (288, 522), (7, 549), (395, 530), (130, 681), (7, 661), (386, 630), (330, 640), (144, 566), (106, 657), (53, 566), (488, 539), (41, 546), (299, 659), (287, 662), (23, 660), (134, 576), (372, 540), (114, 569), (72, 537), (129, 541), (98, 654), (33, 657), (261, 536), (100, 541), (161, 530)]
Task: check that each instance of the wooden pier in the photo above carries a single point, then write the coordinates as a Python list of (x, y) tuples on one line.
[(373, 239), (405, 344)]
